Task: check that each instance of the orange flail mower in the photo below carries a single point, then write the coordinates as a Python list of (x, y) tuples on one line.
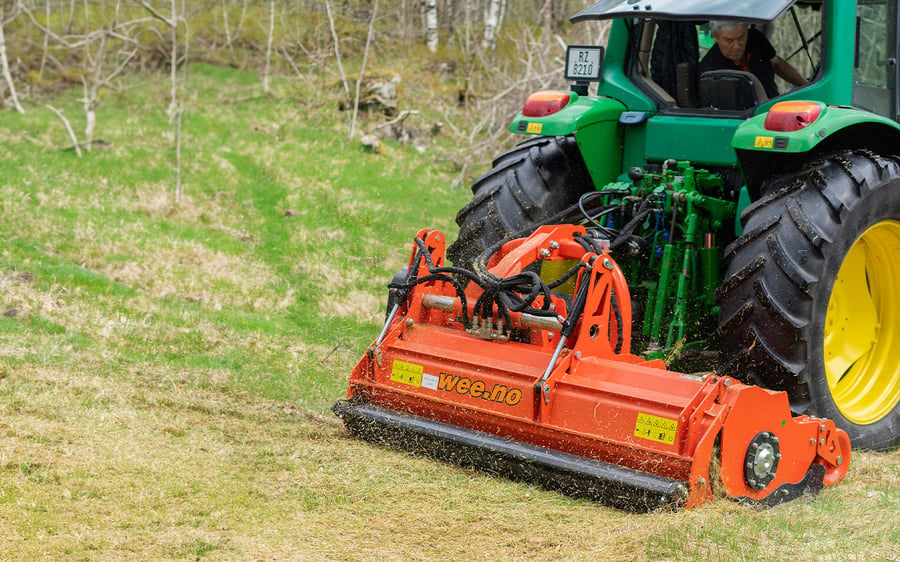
[(506, 371)]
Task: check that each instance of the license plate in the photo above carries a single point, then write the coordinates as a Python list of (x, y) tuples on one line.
[(584, 63)]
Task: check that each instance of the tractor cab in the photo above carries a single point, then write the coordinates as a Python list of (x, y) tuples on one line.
[(659, 48), (672, 56), (662, 82)]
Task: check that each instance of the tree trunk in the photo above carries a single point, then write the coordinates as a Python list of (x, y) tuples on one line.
[(173, 104), (546, 16), (450, 19), (46, 46), (68, 127), (491, 25), (269, 47), (431, 25), (362, 71), (7, 75), (337, 53)]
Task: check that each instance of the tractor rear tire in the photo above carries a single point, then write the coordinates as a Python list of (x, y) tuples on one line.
[(810, 302), (528, 184)]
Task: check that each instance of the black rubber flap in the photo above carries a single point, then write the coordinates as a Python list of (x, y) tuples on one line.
[(573, 475)]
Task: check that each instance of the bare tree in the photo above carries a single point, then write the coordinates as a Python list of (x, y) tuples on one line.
[(547, 23), (492, 20), (106, 53), (46, 45), (174, 59), (362, 71), (103, 63), (431, 25), (229, 35), (4, 61), (269, 47), (176, 106), (337, 53)]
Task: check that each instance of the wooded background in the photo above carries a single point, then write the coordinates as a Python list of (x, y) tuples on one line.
[(471, 64), (90, 42)]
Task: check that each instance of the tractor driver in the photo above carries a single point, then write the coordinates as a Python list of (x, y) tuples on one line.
[(739, 47)]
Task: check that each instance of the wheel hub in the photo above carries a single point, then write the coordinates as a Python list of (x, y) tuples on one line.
[(761, 460), (862, 327)]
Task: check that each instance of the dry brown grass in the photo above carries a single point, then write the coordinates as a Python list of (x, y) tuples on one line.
[(147, 465)]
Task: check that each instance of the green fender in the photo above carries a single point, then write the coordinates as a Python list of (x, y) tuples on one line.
[(752, 135), (763, 153), (595, 123)]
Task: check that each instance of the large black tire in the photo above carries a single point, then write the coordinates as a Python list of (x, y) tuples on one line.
[(810, 301), (528, 184)]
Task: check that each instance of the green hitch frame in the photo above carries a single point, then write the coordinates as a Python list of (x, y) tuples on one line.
[(684, 271)]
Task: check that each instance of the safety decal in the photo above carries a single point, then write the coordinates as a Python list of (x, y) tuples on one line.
[(406, 373), (655, 428), (535, 128), (764, 142)]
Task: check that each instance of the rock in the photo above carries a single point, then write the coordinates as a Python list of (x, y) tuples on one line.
[(372, 142)]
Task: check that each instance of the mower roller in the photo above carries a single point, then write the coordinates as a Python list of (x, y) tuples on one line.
[(522, 367)]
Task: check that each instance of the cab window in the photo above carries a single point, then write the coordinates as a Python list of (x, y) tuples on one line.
[(667, 57), (873, 73)]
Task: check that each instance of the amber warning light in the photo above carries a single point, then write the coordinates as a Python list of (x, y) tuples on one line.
[(787, 116)]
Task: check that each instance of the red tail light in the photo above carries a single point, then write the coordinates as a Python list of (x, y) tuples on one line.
[(789, 116), (542, 104)]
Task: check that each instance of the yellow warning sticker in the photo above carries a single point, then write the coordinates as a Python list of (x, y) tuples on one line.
[(656, 428), (764, 142), (406, 373), (535, 128)]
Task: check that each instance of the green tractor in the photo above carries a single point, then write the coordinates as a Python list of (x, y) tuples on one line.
[(759, 228)]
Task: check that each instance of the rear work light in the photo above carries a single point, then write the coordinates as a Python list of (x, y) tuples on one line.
[(542, 104), (787, 116)]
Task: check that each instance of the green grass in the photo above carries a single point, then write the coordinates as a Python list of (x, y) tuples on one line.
[(166, 371), (282, 218)]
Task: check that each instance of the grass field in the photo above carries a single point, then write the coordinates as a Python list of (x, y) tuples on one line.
[(166, 371)]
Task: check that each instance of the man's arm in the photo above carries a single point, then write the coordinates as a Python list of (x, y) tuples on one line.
[(784, 69)]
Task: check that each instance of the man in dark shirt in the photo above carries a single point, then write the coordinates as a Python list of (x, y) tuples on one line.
[(738, 47)]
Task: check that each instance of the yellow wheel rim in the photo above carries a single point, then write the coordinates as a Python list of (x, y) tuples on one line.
[(862, 327)]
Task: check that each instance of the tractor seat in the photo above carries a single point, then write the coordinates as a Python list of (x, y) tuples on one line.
[(730, 90)]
